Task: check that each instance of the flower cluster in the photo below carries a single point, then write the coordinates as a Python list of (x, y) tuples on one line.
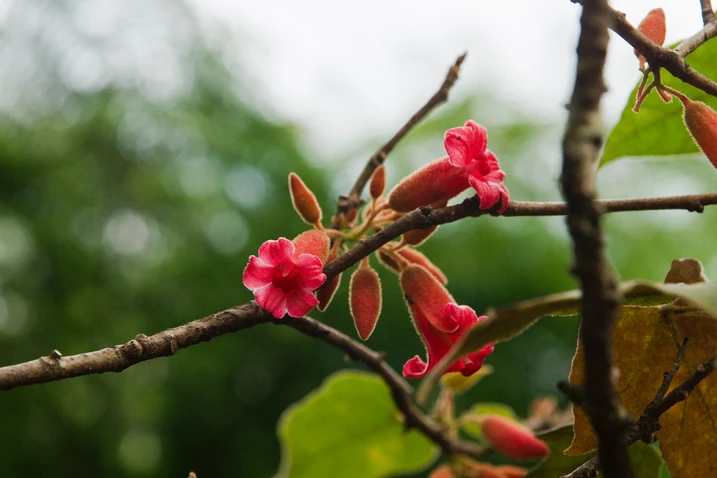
[(287, 276)]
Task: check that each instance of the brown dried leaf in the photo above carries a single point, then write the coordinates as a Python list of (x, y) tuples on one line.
[(646, 340)]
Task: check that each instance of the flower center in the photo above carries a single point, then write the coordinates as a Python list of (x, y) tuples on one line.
[(286, 277), (481, 166)]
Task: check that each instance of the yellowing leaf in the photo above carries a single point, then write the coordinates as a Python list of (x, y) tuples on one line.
[(646, 340), (509, 321)]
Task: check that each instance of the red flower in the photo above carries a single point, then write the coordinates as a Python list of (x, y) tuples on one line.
[(466, 148), (439, 322), (284, 276)]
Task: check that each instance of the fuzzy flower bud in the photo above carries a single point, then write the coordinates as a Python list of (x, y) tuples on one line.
[(304, 201), (412, 256), (365, 300), (511, 439), (701, 122), (653, 26), (416, 237), (378, 182), (436, 181)]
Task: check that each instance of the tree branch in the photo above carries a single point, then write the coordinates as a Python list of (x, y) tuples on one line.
[(649, 421), (600, 299), (425, 217), (708, 15), (169, 342), (353, 199), (660, 57)]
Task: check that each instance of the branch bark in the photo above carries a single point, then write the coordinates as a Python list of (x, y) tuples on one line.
[(600, 298)]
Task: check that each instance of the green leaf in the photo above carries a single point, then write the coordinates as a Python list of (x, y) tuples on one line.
[(507, 322), (658, 129), (351, 428), (646, 461), (486, 408)]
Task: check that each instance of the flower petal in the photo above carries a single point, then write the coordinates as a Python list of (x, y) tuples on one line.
[(276, 252), (300, 302), (465, 144), (257, 273), (488, 192), (415, 368), (272, 299), (311, 271)]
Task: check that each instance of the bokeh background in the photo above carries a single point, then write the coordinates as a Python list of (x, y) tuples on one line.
[(144, 151)]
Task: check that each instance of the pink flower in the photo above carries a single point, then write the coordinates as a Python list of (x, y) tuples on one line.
[(466, 148), (439, 322), (284, 276), (439, 343)]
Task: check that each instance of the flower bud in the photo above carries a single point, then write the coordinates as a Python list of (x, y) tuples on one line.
[(378, 182), (701, 122), (365, 300), (416, 237), (511, 439), (326, 292), (653, 27), (423, 291), (312, 242), (304, 201), (436, 181), (415, 257)]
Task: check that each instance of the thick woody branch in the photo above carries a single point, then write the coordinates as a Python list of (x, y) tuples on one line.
[(649, 421), (353, 199), (671, 60), (600, 299)]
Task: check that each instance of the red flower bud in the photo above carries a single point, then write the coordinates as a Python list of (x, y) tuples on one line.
[(378, 182), (365, 300), (653, 27), (416, 237), (437, 181), (412, 256), (326, 292), (511, 439), (304, 201), (701, 122), (312, 242)]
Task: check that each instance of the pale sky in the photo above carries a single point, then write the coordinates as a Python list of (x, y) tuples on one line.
[(345, 71)]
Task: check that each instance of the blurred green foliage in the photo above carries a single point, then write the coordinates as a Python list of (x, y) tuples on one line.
[(130, 199)]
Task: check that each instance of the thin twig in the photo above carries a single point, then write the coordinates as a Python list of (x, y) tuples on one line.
[(708, 15), (660, 57), (649, 422), (426, 217), (600, 299), (401, 391), (353, 199)]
